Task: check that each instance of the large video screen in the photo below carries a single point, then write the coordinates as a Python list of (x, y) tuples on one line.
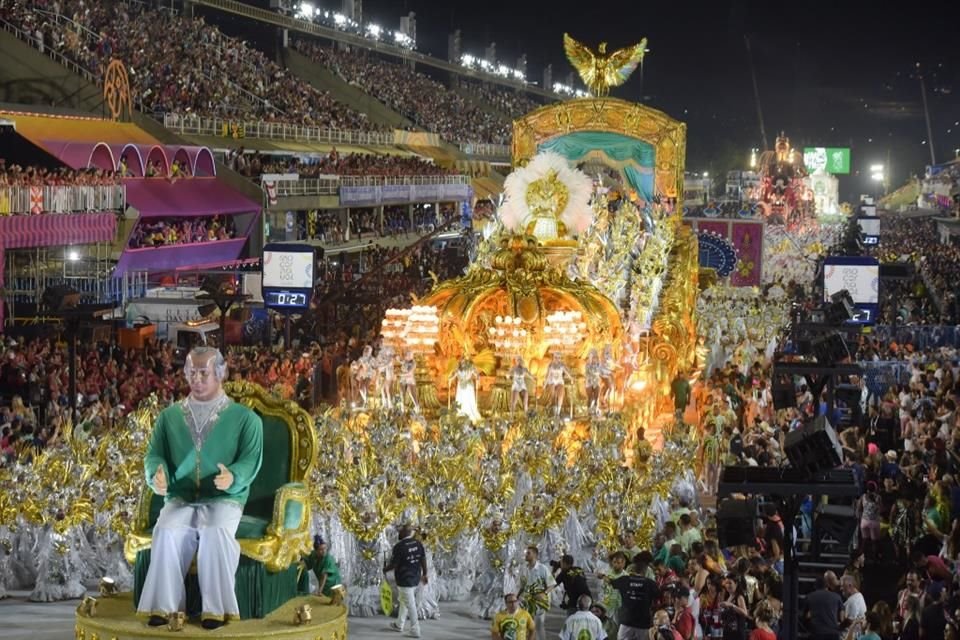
[(830, 159), (869, 226), (860, 276), (287, 267)]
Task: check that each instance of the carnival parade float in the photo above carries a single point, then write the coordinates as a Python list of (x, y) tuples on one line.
[(525, 402)]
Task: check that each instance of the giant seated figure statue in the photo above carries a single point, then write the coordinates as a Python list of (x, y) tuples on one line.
[(205, 491)]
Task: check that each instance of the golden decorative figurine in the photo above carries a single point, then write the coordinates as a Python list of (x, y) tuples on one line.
[(303, 614), (600, 71), (88, 607), (108, 587), (176, 621)]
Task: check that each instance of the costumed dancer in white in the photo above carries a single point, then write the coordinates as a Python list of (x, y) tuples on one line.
[(203, 456), (553, 385), (518, 385), (608, 366), (366, 369), (408, 381), (385, 376), (466, 399), (591, 374)]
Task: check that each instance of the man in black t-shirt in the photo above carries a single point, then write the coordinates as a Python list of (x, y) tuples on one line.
[(933, 619), (637, 594), (822, 608), (574, 583), (409, 565)]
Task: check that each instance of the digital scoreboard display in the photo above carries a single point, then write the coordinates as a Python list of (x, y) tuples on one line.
[(287, 276)]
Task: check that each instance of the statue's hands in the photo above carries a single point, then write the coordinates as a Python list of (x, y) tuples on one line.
[(160, 482), (224, 479)]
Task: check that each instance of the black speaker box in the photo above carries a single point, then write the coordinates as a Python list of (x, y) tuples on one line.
[(835, 521), (736, 522), (830, 349), (814, 446)]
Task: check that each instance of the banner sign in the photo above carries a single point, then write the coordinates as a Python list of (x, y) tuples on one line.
[(401, 194)]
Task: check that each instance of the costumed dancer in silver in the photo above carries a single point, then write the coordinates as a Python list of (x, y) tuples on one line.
[(408, 382), (59, 567), (518, 385), (203, 456), (557, 372), (591, 375), (428, 595), (364, 374), (385, 376), (608, 365), (494, 576)]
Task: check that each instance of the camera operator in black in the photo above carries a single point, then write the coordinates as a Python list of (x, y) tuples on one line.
[(409, 565)]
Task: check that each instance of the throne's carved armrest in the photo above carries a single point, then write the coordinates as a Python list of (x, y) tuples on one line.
[(140, 537), (288, 534)]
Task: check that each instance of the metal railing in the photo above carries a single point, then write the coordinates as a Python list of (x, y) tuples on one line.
[(226, 128), (485, 149), (308, 187), (62, 199), (379, 181), (52, 53)]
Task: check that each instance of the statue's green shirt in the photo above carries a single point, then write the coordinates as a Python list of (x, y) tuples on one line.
[(235, 439)]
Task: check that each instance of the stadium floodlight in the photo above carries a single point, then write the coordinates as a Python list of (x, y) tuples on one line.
[(467, 60), (339, 19), (374, 30), (306, 10)]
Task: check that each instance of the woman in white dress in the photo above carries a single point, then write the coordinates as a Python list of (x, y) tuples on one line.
[(553, 385), (518, 385), (466, 398), (408, 381)]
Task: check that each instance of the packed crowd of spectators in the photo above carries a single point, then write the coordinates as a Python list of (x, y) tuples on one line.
[(162, 232), (189, 68), (364, 223), (255, 164), (14, 175), (931, 294), (412, 94), (509, 102)]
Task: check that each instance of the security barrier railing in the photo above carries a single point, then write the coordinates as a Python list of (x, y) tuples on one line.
[(225, 128), (61, 199)]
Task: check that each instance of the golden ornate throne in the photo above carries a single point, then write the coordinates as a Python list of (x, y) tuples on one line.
[(275, 528)]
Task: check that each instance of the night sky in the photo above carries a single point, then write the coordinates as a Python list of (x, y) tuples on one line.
[(828, 76)]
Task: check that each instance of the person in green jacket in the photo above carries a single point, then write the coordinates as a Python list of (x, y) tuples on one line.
[(323, 566), (203, 455)]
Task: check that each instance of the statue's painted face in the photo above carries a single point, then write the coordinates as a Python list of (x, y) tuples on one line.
[(202, 376)]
